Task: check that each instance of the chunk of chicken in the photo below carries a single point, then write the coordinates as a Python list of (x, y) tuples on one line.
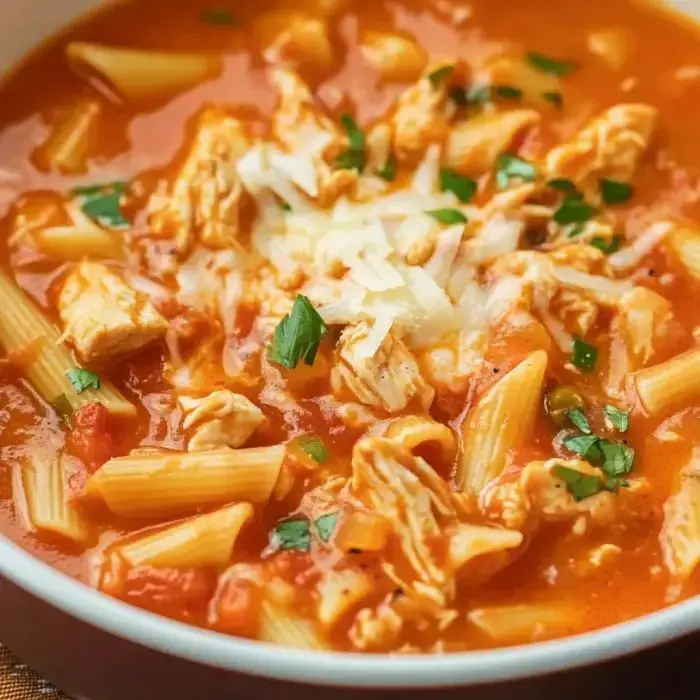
[(422, 114), (375, 629), (221, 419), (473, 146), (610, 146), (680, 534), (388, 378), (205, 199), (102, 316), (311, 139), (537, 495)]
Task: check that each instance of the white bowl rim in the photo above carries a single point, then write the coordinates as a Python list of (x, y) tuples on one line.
[(339, 668)]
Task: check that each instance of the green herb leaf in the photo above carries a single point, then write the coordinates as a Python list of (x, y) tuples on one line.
[(102, 203), (388, 170), (575, 230), (616, 418), (573, 211), (325, 525), (447, 216), (83, 379), (585, 445), (507, 92), (298, 335), (563, 185), (356, 136), (439, 74), (354, 157), (579, 485), (219, 16), (554, 98), (511, 166), (464, 187), (615, 191), (584, 356), (578, 418), (618, 458), (606, 246), (351, 160), (549, 65), (314, 447), (293, 534)]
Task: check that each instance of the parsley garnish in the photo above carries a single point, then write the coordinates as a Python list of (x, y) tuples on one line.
[(219, 16), (325, 525), (584, 356), (614, 458), (586, 446), (102, 203), (564, 185), (314, 447), (606, 246), (554, 97), (578, 418), (388, 170), (616, 418), (447, 216), (464, 187), (83, 379), (293, 534), (578, 484), (298, 335), (439, 74), (615, 191), (573, 211), (549, 65), (511, 166), (62, 406), (507, 92), (481, 94), (354, 157)]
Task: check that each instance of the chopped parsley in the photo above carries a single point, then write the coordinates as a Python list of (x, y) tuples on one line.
[(607, 246), (293, 534), (439, 74), (354, 157), (578, 418), (325, 525), (62, 406), (464, 187), (102, 203), (616, 418), (615, 191), (573, 211), (549, 65), (585, 445), (563, 185), (298, 335), (388, 170), (219, 16), (509, 166), (507, 92), (83, 379), (554, 98), (615, 458), (584, 356), (314, 447), (482, 94), (578, 484), (284, 206), (447, 216)]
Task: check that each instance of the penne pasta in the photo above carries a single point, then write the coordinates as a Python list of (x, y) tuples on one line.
[(339, 592), (362, 531), (685, 243), (175, 483), (43, 479), (71, 138), (680, 534), (206, 540), (137, 74), (498, 423), (35, 342), (74, 243), (418, 434), (669, 383), (522, 623), (470, 541)]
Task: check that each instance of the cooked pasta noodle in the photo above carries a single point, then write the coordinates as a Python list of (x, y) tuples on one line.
[(685, 243)]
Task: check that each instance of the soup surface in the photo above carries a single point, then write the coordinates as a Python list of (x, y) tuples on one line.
[(359, 325)]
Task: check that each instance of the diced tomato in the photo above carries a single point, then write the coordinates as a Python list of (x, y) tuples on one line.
[(237, 607), (90, 439)]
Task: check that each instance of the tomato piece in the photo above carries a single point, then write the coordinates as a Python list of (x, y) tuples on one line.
[(90, 439)]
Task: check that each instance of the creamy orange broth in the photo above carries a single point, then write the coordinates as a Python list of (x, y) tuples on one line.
[(142, 141)]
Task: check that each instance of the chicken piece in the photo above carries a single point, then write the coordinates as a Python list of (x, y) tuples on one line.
[(473, 146), (221, 419), (103, 317), (311, 139), (422, 114), (341, 591), (388, 378), (537, 495), (375, 629), (205, 200), (610, 146), (680, 534)]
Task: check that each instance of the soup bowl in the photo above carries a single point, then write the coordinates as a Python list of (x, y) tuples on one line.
[(97, 648)]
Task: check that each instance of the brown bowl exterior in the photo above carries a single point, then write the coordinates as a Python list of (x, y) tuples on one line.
[(91, 664)]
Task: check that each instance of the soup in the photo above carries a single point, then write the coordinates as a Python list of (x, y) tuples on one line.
[(357, 326)]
